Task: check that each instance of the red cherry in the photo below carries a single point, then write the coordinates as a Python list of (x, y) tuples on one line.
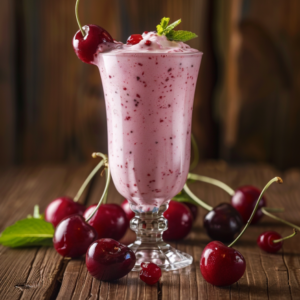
[(61, 208), (148, 43), (85, 47), (73, 236), (110, 221), (150, 273), (265, 241), (134, 39), (193, 208), (244, 201), (223, 223), (107, 259), (180, 221), (221, 265), (126, 207), (145, 32)]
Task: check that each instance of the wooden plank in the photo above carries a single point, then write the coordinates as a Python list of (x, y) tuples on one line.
[(257, 44), (32, 273), (7, 83)]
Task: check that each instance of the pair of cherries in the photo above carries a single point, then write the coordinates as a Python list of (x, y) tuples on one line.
[(68, 217), (107, 260), (226, 220), (180, 218)]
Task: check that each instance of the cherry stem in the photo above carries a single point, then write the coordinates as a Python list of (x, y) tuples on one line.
[(213, 181), (266, 211), (88, 179), (276, 179), (36, 212), (105, 197), (107, 173), (196, 199), (196, 153), (287, 237), (77, 18)]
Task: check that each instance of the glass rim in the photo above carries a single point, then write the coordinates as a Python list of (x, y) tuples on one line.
[(199, 53)]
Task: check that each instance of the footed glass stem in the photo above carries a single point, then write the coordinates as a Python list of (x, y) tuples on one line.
[(149, 245)]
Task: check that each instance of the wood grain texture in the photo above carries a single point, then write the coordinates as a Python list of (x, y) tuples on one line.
[(32, 273), (256, 100), (7, 83), (40, 273)]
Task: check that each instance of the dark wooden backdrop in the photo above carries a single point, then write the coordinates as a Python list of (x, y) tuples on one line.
[(247, 99)]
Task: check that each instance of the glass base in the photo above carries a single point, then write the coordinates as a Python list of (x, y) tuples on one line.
[(162, 254), (149, 245)]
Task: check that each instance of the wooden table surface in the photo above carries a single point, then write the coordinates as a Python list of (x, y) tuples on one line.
[(40, 273)]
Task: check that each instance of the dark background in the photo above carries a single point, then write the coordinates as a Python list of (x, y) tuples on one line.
[(247, 100)]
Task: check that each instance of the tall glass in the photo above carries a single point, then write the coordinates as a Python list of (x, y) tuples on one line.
[(149, 102)]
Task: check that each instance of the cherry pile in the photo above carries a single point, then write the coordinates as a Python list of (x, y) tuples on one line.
[(92, 231), (222, 265), (226, 220)]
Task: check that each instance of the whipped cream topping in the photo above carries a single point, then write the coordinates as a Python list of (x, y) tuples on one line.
[(159, 44)]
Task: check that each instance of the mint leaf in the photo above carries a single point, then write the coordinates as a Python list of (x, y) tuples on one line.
[(180, 35), (171, 27), (28, 232), (163, 25), (184, 197)]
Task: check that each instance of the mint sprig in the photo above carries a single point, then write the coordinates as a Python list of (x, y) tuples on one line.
[(33, 231), (180, 35), (162, 26), (173, 35)]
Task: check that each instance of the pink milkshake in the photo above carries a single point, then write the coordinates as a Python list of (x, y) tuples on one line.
[(149, 93), (149, 85)]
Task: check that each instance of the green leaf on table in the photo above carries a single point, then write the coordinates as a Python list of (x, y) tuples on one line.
[(183, 197), (180, 35), (28, 232)]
